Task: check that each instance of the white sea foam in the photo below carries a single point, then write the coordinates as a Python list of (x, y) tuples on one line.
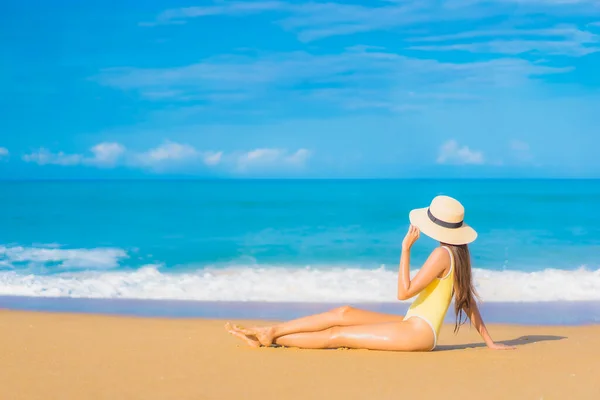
[(275, 284), (101, 258)]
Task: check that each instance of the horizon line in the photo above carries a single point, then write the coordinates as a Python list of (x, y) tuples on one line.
[(208, 179)]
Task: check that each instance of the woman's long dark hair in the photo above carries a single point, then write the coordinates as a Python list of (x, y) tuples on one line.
[(463, 290)]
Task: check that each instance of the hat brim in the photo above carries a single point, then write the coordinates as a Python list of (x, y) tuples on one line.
[(463, 235)]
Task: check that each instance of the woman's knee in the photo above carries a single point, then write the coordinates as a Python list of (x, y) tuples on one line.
[(334, 337), (342, 312)]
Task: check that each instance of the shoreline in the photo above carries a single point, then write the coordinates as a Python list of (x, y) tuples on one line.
[(556, 313), (48, 355)]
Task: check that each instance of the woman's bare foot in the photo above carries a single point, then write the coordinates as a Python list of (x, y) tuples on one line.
[(265, 335), (235, 331)]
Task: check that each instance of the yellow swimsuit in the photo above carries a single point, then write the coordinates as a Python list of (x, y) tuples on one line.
[(432, 303)]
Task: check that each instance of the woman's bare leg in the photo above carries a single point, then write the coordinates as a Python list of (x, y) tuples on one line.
[(341, 316), (393, 336)]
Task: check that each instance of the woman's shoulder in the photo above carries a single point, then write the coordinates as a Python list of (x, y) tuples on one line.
[(444, 260), (441, 254), (441, 250)]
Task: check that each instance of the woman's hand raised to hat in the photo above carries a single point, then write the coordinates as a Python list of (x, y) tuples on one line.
[(411, 237)]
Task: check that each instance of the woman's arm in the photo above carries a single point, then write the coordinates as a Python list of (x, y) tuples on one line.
[(475, 317), (433, 267)]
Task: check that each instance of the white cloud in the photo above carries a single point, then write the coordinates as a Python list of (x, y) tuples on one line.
[(522, 49), (261, 155), (103, 155), (561, 40), (4, 152), (166, 153), (549, 2), (316, 20), (272, 158), (452, 153), (308, 18), (43, 156), (213, 158), (111, 154), (514, 47), (179, 15), (390, 77), (300, 157), (557, 32), (256, 78), (172, 154)]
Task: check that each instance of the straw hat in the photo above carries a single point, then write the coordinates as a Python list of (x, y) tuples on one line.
[(443, 221)]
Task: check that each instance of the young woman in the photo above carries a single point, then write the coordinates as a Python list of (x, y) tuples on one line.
[(445, 274)]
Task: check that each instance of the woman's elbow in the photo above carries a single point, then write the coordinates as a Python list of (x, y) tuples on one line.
[(403, 296)]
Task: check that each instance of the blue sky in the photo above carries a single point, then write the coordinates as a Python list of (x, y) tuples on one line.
[(413, 88)]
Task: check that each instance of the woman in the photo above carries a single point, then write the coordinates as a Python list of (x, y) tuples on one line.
[(446, 274)]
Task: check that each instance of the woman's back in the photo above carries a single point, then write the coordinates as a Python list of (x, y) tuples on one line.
[(433, 302)]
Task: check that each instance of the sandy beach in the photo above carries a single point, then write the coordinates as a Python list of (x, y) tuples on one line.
[(77, 356)]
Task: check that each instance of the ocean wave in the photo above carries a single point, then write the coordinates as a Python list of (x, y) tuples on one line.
[(277, 284), (43, 256)]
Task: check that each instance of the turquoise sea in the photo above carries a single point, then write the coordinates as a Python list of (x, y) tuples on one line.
[(321, 241)]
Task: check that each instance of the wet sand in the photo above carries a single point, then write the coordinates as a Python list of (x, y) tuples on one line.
[(82, 356)]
